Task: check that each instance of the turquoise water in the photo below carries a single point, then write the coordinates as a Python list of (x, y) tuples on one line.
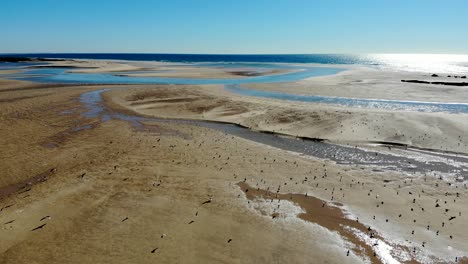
[(61, 75), (17, 65), (234, 85)]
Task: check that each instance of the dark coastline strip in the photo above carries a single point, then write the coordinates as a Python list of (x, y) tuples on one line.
[(439, 83), (15, 59), (25, 59)]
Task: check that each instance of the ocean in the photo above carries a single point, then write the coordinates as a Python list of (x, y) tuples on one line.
[(429, 63)]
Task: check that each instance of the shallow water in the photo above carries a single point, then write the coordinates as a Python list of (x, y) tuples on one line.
[(354, 102), (409, 161), (62, 75), (18, 65)]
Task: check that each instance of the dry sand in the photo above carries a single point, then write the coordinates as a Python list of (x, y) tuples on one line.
[(169, 192), (158, 180), (437, 131), (158, 69), (372, 83)]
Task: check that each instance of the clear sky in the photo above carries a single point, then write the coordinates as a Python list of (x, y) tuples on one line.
[(234, 26)]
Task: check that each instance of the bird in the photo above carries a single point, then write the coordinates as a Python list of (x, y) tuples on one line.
[(45, 217), (39, 227), (5, 207)]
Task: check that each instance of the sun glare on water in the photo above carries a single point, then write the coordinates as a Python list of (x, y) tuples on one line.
[(431, 63)]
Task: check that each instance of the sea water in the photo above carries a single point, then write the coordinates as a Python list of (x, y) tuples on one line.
[(299, 63), (430, 63)]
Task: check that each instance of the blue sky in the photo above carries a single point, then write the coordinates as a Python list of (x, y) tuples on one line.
[(235, 26)]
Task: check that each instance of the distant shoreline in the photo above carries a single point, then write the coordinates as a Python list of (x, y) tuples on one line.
[(26, 59), (427, 63)]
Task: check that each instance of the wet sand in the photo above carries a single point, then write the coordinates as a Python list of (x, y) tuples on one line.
[(369, 83), (332, 217), (125, 194), (316, 211), (157, 69), (437, 131)]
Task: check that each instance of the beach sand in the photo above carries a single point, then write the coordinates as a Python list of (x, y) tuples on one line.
[(159, 69), (439, 131), (373, 83), (168, 192)]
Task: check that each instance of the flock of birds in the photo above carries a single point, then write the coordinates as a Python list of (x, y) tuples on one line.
[(331, 183), (318, 180)]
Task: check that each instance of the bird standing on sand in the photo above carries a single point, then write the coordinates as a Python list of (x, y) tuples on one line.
[(39, 227)]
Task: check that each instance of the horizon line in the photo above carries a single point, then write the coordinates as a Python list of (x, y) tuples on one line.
[(229, 54)]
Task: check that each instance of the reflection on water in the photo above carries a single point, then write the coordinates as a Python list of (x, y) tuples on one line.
[(413, 161), (353, 102), (233, 85), (61, 75), (18, 65), (430, 63)]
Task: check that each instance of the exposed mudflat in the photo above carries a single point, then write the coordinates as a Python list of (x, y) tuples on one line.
[(136, 174)]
